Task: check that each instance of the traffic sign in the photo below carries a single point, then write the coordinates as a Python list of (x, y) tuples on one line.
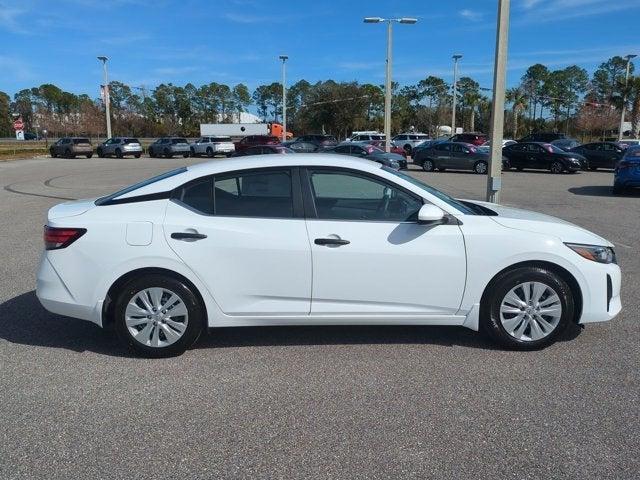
[(18, 125)]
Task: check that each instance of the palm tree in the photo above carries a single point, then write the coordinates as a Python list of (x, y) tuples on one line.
[(518, 99)]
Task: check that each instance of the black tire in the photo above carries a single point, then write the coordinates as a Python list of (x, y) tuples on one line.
[(209, 152), (137, 155), (53, 153), (490, 322), (428, 165), (152, 152), (506, 165), (89, 155), (67, 154), (100, 153), (556, 167), (186, 154), (118, 153), (481, 167), (617, 190), (167, 153), (195, 323), (593, 169)]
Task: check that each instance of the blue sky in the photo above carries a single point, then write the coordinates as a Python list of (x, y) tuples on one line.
[(233, 41)]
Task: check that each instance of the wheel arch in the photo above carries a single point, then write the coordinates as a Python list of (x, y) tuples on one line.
[(553, 267), (118, 284)]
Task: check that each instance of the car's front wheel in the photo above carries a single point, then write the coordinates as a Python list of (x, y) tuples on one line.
[(527, 308), (428, 165), (556, 167), (158, 316), (480, 167)]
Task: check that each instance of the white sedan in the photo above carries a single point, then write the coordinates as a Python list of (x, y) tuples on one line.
[(314, 240)]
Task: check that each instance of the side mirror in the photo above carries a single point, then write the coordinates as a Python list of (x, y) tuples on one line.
[(430, 214)]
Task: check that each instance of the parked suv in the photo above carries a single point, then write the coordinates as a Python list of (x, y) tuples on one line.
[(409, 141), (170, 146), (211, 146), (320, 140), (546, 137), (256, 140), (120, 146), (70, 147), (366, 137), (473, 138)]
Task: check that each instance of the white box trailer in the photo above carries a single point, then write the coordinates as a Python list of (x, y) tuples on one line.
[(233, 129)]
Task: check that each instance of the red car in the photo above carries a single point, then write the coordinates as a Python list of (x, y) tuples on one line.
[(394, 149), (473, 138), (256, 140)]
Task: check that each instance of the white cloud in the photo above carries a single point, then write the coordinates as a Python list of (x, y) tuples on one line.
[(9, 18), (15, 68), (470, 15)]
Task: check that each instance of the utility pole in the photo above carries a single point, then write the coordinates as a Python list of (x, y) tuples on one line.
[(284, 58), (455, 57), (387, 85), (624, 96), (494, 180), (107, 94)]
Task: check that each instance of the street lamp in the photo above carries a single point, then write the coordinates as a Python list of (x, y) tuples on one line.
[(284, 58), (456, 57), (624, 95), (387, 86), (494, 179), (107, 94)]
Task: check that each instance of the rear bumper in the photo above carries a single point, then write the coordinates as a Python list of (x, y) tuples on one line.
[(54, 295)]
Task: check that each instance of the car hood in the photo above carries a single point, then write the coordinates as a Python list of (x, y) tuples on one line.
[(535, 222), (70, 209), (388, 156)]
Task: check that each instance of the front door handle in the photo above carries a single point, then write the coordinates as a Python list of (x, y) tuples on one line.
[(187, 236), (331, 241)]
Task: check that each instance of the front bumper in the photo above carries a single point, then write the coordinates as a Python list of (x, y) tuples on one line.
[(601, 293)]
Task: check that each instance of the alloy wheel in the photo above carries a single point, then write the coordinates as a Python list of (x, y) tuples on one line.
[(530, 311), (156, 317)]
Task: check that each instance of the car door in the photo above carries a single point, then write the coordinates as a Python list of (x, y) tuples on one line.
[(370, 256), (442, 153), (244, 235), (460, 157), (611, 154)]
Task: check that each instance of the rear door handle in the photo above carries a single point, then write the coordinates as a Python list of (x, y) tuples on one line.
[(187, 236), (331, 241)]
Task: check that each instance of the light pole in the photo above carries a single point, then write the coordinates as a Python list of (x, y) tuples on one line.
[(387, 85), (107, 94), (624, 95), (494, 180), (284, 58), (455, 57)]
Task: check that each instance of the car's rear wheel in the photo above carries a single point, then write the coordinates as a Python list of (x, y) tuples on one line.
[(100, 153), (428, 165), (158, 316), (527, 308), (480, 167), (167, 153), (556, 167)]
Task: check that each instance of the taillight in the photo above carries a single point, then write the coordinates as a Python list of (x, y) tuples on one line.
[(55, 238)]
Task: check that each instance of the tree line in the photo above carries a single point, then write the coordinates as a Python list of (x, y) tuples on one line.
[(566, 100)]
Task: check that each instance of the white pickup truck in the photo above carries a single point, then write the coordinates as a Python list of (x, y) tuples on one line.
[(212, 146)]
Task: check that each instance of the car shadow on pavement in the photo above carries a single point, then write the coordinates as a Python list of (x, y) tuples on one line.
[(602, 191), (24, 321)]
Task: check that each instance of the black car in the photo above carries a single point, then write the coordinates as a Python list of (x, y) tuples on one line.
[(543, 156), (566, 144), (546, 137), (365, 150), (600, 154), (264, 150), (452, 155), (300, 146)]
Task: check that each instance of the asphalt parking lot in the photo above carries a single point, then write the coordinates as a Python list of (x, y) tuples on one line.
[(313, 402)]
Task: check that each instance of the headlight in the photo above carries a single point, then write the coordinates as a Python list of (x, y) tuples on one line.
[(574, 160), (595, 253)]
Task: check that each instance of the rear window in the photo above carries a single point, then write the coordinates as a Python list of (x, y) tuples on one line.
[(135, 186), (131, 140), (81, 140), (178, 140), (221, 139)]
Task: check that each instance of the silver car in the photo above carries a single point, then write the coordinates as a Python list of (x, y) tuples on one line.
[(120, 147), (409, 141), (170, 146), (211, 146)]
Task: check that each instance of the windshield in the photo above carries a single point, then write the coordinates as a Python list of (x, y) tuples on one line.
[(144, 183), (553, 148), (458, 205)]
